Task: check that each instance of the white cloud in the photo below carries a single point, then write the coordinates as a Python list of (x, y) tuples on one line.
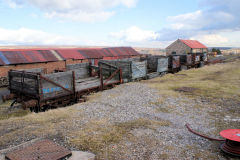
[(211, 39), (28, 36), (200, 20), (135, 34), (214, 17), (81, 16), (77, 10)]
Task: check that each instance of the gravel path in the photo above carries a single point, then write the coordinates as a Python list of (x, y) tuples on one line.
[(136, 100)]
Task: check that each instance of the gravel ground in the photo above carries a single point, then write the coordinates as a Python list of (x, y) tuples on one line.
[(133, 101), (136, 100)]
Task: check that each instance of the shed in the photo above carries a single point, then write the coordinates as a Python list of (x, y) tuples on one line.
[(181, 46)]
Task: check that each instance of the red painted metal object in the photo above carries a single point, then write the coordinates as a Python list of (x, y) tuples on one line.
[(231, 134), (202, 135), (231, 143), (193, 44)]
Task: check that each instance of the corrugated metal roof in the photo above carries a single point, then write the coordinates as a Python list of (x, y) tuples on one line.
[(194, 44), (21, 56), (27, 56), (69, 54), (1, 62), (48, 55), (4, 60), (107, 52), (90, 53)]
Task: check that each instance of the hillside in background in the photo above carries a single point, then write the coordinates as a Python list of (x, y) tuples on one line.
[(154, 51)]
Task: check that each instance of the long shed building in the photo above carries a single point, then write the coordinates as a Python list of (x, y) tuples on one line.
[(52, 59), (180, 47)]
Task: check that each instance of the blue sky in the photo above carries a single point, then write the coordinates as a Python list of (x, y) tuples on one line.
[(137, 23)]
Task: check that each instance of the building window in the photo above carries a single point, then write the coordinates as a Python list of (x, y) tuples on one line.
[(174, 53)]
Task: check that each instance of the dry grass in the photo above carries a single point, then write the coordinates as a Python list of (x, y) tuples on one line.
[(33, 125), (97, 136), (220, 80), (6, 113)]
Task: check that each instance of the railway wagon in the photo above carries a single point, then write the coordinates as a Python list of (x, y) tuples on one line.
[(132, 69), (196, 58), (174, 64), (203, 59), (41, 92), (186, 61), (156, 65)]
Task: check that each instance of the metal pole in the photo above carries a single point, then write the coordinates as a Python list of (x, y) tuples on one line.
[(101, 79)]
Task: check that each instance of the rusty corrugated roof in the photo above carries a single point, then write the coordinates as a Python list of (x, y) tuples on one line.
[(23, 56), (69, 54)]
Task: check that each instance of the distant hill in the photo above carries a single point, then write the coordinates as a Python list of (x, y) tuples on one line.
[(153, 51), (221, 48)]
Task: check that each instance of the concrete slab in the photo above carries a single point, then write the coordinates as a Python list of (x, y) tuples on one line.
[(77, 155)]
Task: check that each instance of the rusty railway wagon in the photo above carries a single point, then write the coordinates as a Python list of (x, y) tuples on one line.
[(186, 61), (41, 92), (203, 59), (156, 65), (196, 59), (174, 64)]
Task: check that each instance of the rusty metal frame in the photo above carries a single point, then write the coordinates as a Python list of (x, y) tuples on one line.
[(120, 76), (109, 78), (101, 78), (74, 82)]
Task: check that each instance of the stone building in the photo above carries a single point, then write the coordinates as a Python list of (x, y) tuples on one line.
[(186, 47)]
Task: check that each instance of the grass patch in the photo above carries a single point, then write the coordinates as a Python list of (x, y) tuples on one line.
[(34, 125), (164, 110), (97, 136), (5, 113), (220, 80)]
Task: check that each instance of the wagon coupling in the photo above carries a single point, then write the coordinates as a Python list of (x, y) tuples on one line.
[(231, 143)]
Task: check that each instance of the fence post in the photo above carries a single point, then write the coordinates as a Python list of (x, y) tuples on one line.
[(120, 76)]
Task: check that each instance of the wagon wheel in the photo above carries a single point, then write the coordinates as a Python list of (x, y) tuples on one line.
[(4, 81)]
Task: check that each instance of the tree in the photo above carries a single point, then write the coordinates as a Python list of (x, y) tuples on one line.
[(216, 50), (219, 52)]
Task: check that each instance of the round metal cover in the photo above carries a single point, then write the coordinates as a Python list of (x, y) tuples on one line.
[(231, 134)]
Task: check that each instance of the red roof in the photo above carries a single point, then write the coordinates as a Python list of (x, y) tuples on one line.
[(21, 56), (193, 44)]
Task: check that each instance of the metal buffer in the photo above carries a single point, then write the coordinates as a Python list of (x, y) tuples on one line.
[(231, 143)]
